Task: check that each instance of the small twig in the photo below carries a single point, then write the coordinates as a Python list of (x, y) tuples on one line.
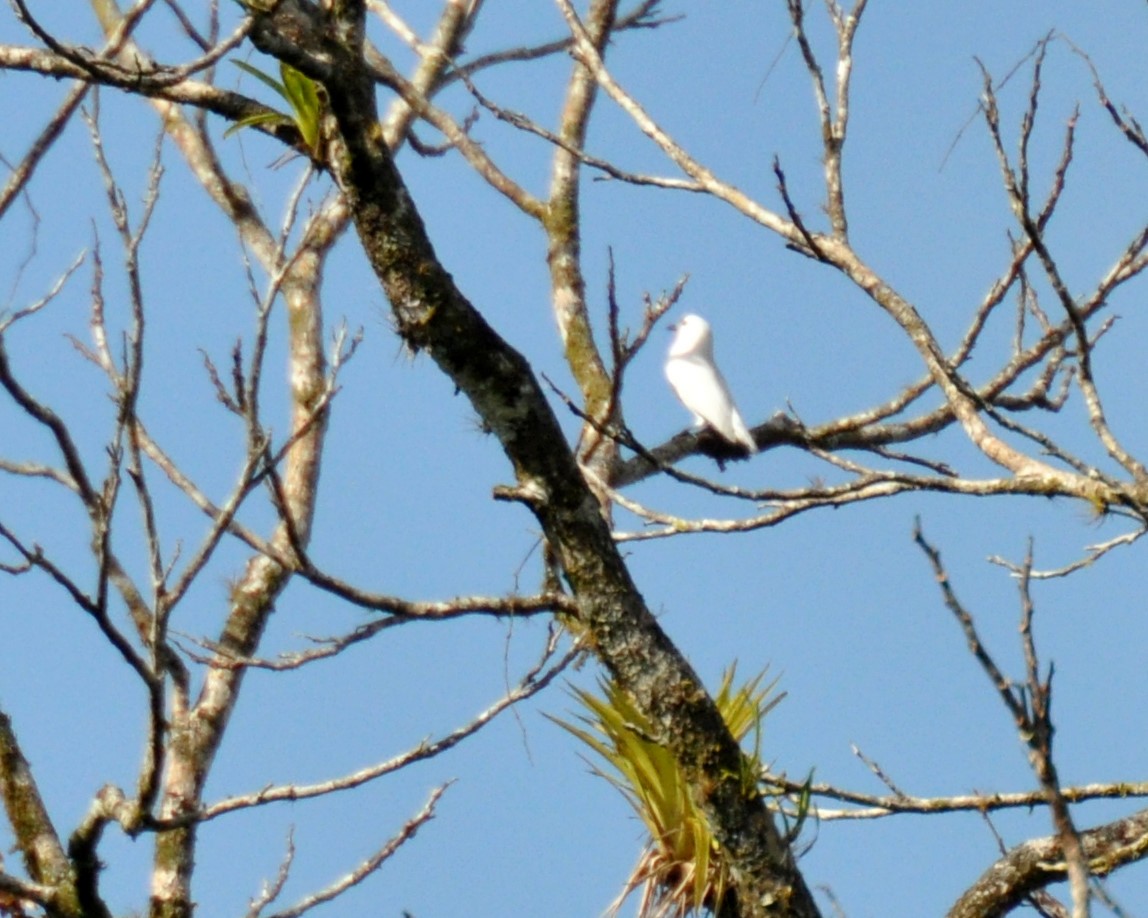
[(1127, 125), (534, 681), (371, 864), (400, 611), (1031, 708), (814, 250), (878, 771), (271, 891), (1095, 552), (607, 168), (878, 806)]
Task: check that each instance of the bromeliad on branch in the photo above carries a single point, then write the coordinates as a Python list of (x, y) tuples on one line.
[(682, 869)]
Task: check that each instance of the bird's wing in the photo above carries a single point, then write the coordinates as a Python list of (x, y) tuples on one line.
[(702, 389)]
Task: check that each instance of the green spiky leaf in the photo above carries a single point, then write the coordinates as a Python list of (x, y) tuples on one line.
[(682, 870), (300, 92), (256, 120), (303, 96), (262, 77)]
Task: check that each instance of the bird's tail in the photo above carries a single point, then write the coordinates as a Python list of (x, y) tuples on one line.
[(742, 434)]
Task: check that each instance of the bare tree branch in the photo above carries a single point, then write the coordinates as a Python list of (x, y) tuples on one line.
[(36, 838), (1030, 706), (534, 681), (878, 806), (1036, 863), (371, 864)]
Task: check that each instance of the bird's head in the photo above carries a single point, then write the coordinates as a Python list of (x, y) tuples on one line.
[(692, 335)]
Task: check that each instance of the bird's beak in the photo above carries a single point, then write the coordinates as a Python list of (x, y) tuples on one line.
[(673, 327)]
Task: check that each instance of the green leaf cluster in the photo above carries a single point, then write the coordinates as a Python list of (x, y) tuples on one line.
[(300, 92), (681, 870)]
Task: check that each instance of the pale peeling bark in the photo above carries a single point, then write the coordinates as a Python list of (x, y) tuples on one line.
[(198, 731), (197, 728), (564, 255), (1037, 863)]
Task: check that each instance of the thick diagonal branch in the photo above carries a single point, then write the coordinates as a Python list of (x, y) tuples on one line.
[(433, 316), (36, 838)]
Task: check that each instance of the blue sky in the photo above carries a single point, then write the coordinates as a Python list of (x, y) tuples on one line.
[(838, 603)]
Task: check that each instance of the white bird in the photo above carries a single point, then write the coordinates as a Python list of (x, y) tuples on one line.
[(698, 383)]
